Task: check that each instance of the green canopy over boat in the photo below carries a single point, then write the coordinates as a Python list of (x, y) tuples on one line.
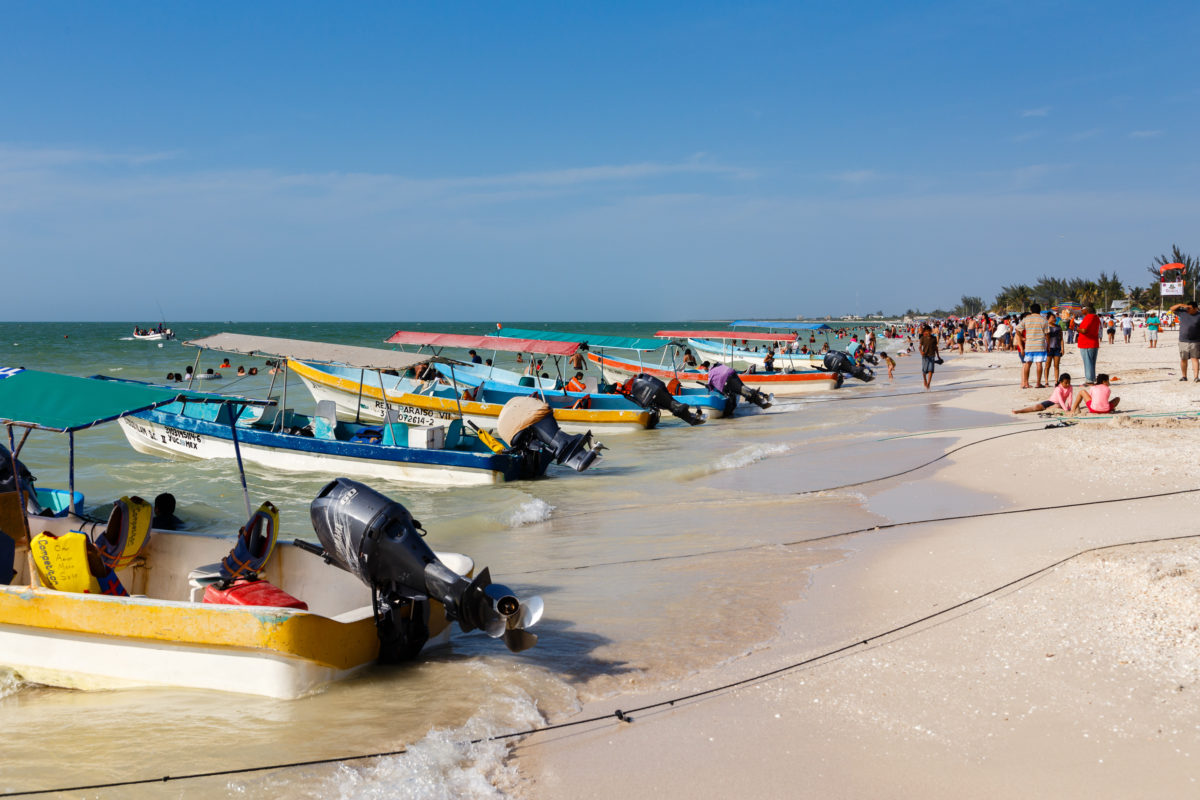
[(52, 402), (593, 342)]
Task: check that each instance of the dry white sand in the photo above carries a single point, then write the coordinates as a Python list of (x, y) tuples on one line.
[(1078, 682)]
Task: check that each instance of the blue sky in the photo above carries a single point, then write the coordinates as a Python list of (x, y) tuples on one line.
[(436, 161)]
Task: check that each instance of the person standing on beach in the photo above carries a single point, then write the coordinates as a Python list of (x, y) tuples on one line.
[(1152, 325), (1089, 343), (1127, 327), (1032, 333), (929, 354), (1189, 337), (1054, 346)]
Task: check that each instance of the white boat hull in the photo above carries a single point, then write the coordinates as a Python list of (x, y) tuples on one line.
[(154, 439)]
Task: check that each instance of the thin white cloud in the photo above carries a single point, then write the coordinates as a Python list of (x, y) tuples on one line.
[(1036, 112), (1081, 135), (1027, 136), (1145, 134), (858, 176), (14, 157)]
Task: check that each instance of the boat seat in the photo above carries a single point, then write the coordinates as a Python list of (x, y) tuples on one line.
[(395, 433), (202, 577), (324, 421), (454, 434)]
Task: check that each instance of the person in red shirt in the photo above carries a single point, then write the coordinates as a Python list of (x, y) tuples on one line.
[(1089, 343)]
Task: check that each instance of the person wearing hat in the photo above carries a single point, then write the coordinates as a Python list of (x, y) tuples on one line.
[(1189, 338)]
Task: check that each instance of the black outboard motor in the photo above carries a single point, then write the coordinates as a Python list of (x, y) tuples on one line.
[(527, 423), (837, 361), (375, 538), (724, 379), (652, 394)]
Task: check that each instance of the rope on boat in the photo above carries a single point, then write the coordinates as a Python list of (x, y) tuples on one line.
[(626, 716)]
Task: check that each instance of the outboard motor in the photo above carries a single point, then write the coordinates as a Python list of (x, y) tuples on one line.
[(375, 538), (527, 423), (724, 379), (652, 394), (837, 361)]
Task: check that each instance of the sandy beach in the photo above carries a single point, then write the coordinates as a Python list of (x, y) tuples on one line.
[(1074, 680)]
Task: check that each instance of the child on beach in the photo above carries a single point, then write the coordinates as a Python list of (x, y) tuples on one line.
[(1097, 399), (1061, 397), (891, 365)]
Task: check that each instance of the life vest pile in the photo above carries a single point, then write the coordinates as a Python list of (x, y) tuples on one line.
[(73, 563), (255, 543), (239, 584)]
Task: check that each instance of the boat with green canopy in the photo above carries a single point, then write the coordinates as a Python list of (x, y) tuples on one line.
[(101, 604)]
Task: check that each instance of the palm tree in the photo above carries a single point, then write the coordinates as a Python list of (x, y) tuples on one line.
[(1110, 288), (1084, 291), (1016, 297)]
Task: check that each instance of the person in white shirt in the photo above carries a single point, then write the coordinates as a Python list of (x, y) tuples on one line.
[(1127, 327), (1000, 332)]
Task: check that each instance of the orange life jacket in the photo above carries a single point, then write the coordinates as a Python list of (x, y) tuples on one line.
[(576, 385)]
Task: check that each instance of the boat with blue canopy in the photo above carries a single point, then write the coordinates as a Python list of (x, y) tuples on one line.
[(281, 438), (420, 395)]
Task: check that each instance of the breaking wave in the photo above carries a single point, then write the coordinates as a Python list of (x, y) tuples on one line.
[(749, 455), (443, 765), (10, 684), (530, 512)]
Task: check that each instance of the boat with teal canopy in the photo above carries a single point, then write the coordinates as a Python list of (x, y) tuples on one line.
[(104, 604)]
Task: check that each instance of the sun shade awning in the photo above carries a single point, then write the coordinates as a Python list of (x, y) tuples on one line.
[(508, 344), (319, 352), (751, 337), (791, 326), (53, 402), (584, 339)]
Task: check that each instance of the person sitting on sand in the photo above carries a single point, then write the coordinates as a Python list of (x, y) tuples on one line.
[(1097, 398), (1061, 397)]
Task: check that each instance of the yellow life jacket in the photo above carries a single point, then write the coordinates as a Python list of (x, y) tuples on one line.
[(62, 562), (127, 533)]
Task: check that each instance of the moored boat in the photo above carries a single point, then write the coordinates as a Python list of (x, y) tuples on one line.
[(781, 382), (90, 603), (319, 442)]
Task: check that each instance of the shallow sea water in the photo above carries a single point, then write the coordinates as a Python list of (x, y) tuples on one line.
[(619, 616)]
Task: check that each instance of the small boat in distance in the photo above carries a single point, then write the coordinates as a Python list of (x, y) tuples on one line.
[(160, 333)]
